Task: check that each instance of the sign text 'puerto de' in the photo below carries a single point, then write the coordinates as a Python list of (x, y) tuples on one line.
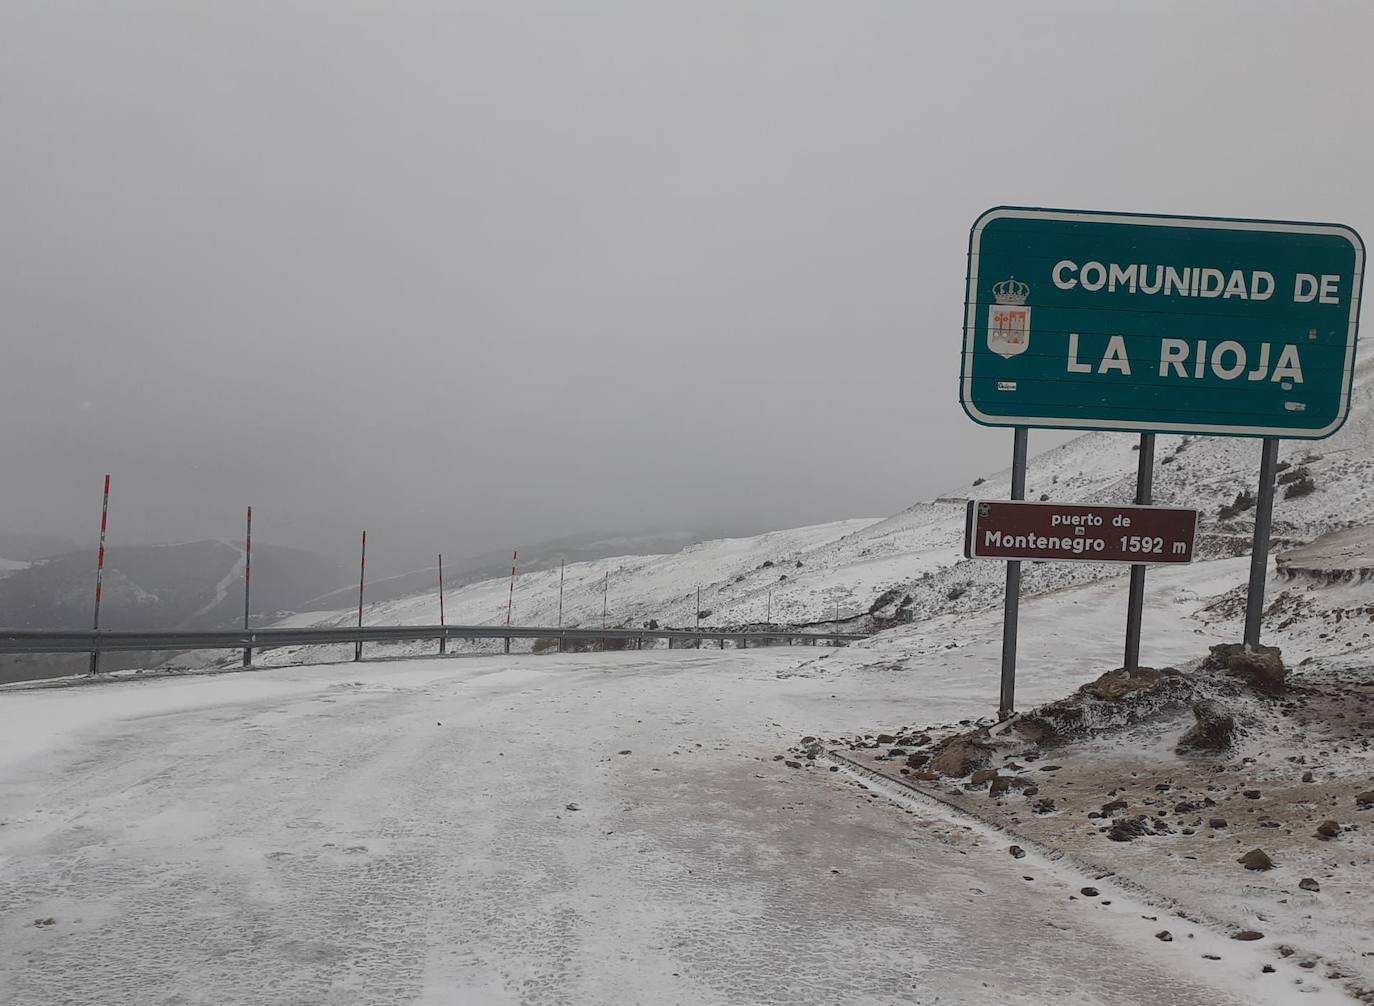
[(1158, 323)]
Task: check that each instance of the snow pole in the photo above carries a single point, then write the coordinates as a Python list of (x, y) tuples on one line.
[(698, 624), (605, 589), (1012, 604), (510, 598), (562, 563), (443, 639), (247, 580), (100, 571), (362, 576)]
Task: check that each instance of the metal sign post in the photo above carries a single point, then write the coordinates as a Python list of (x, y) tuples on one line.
[(1259, 553), (1144, 486), (1011, 608)]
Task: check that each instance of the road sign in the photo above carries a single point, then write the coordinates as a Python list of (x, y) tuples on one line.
[(1119, 321), (1011, 529)]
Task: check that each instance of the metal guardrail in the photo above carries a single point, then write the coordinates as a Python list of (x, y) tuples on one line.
[(29, 641)]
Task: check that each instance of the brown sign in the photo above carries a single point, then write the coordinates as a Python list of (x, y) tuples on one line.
[(1074, 532)]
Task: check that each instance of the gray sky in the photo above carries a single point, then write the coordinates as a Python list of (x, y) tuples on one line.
[(475, 273)]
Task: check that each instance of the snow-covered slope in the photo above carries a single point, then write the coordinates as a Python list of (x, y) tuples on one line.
[(910, 566)]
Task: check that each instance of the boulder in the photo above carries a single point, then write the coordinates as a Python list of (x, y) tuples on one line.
[(1365, 800), (1215, 729), (1128, 828), (1261, 667), (1328, 830), (1116, 685), (961, 755), (1256, 859), (1309, 884)]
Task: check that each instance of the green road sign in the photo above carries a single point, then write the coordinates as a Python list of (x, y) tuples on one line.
[(1121, 321)]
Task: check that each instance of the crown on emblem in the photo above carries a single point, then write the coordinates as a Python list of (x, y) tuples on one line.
[(1011, 291)]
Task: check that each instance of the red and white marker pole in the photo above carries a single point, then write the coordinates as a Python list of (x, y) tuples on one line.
[(247, 581), (362, 576), (443, 640), (100, 570), (510, 600)]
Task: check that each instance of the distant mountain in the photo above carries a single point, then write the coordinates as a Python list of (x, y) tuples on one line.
[(190, 585), (543, 555)]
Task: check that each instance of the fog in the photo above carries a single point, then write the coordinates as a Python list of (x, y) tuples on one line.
[(475, 274)]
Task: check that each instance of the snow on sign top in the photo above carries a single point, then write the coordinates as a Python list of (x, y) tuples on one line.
[(1169, 324)]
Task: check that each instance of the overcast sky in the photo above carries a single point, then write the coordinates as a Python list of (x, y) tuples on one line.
[(469, 274)]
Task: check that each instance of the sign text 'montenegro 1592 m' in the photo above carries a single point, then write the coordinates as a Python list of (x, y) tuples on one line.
[(1015, 529), (1160, 324)]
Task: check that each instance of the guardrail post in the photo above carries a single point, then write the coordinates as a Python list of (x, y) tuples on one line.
[(508, 644), (562, 641)]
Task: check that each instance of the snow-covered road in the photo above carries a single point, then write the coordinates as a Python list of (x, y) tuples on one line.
[(404, 833)]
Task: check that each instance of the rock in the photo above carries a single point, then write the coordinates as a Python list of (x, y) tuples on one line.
[(1365, 800), (1111, 808), (925, 776), (1116, 685), (1164, 936), (1308, 777), (625, 752), (1088, 892), (1044, 806), (571, 806), (897, 753), (1309, 884), (887, 739), (1000, 786), (1017, 852), (984, 776), (1247, 935), (1251, 794), (1030, 791), (961, 755), (1268, 969), (792, 764), (1215, 729), (1216, 822), (1262, 667), (917, 759), (1256, 859), (1128, 828), (1328, 830)]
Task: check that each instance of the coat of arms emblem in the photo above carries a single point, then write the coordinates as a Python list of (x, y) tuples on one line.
[(1009, 318)]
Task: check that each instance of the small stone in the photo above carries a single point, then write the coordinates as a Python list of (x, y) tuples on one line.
[(1088, 892), (1216, 822), (1251, 794), (1365, 800), (1268, 969), (1210, 957), (1247, 935), (625, 752), (792, 764), (1017, 852), (983, 776), (1328, 830), (1044, 806), (1164, 936), (1111, 808), (1309, 884), (571, 806), (1256, 859), (1308, 776)]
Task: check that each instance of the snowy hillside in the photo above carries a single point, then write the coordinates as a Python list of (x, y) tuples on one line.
[(910, 566)]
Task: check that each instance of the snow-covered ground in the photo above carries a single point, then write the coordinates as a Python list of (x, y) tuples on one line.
[(598, 828)]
